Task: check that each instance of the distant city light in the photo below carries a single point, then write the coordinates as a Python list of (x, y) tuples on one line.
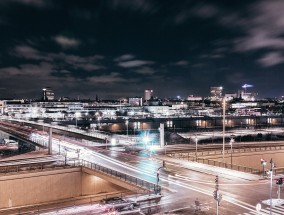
[(113, 141), (146, 139)]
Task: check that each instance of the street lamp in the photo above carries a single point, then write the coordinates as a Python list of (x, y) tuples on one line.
[(126, 122), (76, 116), (196, 147), (231, 143), (146, 140), (78, 152), (224, 129), (263, 163)]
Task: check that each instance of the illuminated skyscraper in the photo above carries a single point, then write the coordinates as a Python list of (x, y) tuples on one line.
[(148, 94), (216, 93), (48, 94)]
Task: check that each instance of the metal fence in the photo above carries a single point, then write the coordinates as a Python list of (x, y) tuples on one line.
[(239, 150), (61, 204), (25, 168), (151, 187), (189, 157)]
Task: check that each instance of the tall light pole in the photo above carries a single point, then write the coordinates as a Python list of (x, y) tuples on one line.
[(231, 143), (224, 129), (126, 123), (76, 116), (196, 147)]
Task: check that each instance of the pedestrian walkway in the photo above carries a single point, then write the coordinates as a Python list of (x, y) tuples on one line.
[(276, 210), (208, 168)]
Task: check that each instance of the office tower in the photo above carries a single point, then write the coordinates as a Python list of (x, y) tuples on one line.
[(148, 95), (48, 94), (216, 93)]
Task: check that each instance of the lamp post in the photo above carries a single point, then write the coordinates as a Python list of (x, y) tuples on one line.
[(65, 155), (196, 147), (59, 147), (263, 163), (231, 143), (146, 140), (223, 129), (76, 116), (78, 152), (126, 123), (241, 131)]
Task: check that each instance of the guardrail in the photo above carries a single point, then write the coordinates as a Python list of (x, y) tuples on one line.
[(23, 168), (186, 156), (102, 135), (151, 187), (39, 208), (240, 150)]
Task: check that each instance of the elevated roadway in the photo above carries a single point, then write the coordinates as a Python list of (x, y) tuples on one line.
[(179, 183)]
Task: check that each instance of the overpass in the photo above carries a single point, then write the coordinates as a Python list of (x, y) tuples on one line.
[(177, 184), (72, 150), (105, 136), (60, 182)]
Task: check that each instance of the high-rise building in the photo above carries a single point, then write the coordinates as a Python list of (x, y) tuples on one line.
[(135, 101), (216, 93), (48, 94), (246, 96), (148, 95)]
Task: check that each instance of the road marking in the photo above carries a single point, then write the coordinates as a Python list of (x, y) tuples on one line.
[(212, 183)]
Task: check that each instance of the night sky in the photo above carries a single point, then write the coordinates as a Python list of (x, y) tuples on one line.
[(119, 48)]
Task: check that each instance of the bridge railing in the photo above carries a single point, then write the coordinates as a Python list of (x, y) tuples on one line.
[(187, 156), (151, 187), (240, 150), (34, 167)]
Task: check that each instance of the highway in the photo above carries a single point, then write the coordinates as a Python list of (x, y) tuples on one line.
[(181, 184)]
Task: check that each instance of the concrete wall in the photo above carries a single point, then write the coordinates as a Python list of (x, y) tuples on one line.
[(114, 182), (92, 184), (41, 187), (32, 188), (252, 159)]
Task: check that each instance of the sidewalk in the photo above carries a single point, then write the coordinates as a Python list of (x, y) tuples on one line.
[(275, 202), (145, 198), (213, 170)]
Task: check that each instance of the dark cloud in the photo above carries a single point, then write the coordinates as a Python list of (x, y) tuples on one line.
[(124, 57), (134, 63), (66, 42), (35, 3), (120, 47)]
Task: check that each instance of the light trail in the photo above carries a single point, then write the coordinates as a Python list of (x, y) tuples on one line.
[(86, 153)]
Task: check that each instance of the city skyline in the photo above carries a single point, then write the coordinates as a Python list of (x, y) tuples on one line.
[(119, 48)]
